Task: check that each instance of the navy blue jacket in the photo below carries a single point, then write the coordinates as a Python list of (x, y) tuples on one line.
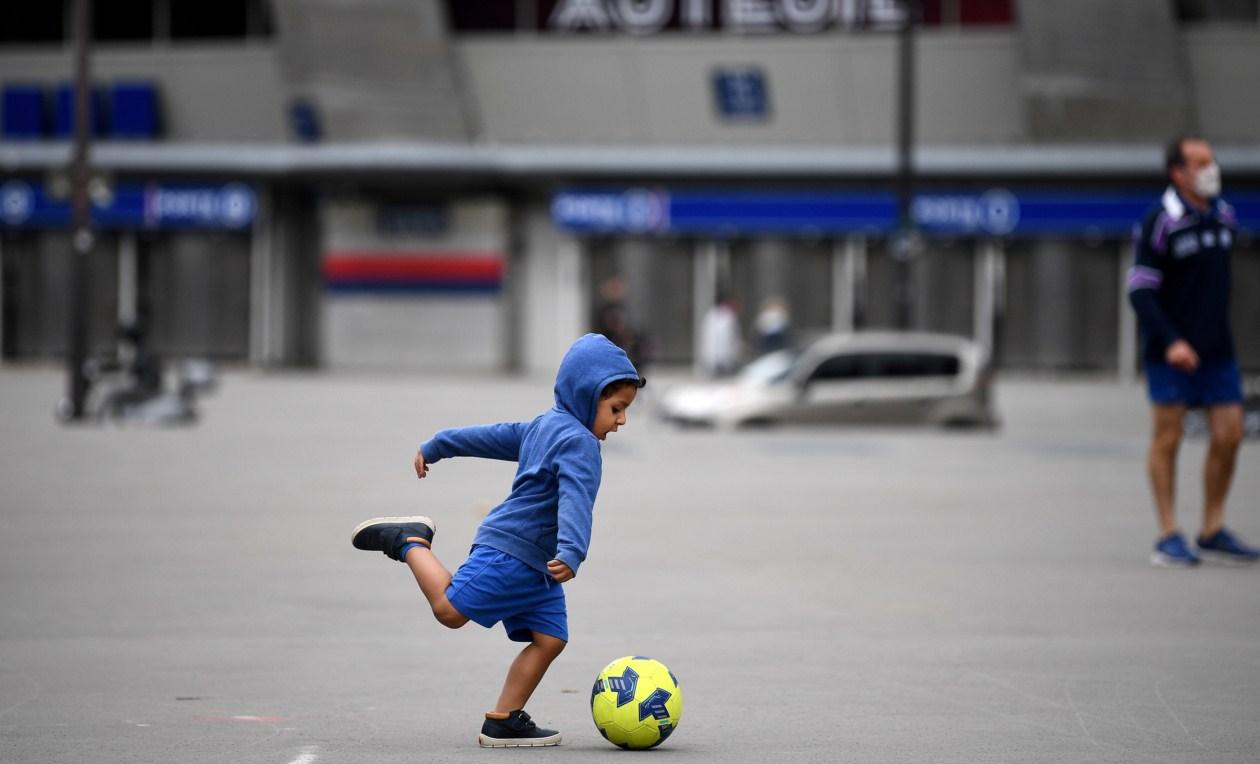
[(1180, 281), (548, 513)]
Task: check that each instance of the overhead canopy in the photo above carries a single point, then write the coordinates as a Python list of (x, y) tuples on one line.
[(537, 162)]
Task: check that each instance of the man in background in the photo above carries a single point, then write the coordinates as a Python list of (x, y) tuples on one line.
[(1180, 287)]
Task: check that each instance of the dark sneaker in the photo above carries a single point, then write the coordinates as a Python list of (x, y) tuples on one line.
[(516, 731), (1225, 547), (1171, 552), (390, 534)]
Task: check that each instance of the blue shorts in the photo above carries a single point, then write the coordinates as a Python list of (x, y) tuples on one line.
[(1213, 383), (493, 586)]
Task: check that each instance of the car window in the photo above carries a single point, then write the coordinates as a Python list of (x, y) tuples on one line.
[(886, 366), (768, 369)]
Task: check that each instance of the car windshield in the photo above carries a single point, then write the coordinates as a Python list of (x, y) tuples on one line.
[(769, 368)]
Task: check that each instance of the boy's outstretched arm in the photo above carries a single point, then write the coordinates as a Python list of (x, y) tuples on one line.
[(490, 441)]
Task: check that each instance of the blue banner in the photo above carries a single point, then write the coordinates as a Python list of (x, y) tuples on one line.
[(133, 205), (651, 210), (991, 212)]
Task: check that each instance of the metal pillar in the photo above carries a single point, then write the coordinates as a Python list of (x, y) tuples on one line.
[(705, 289), (1126, 347), (128, 279), (905, 242), (988, 256), (572, 314), (262, 349), (81, 236), (848, 266), (3, 348), (512, 300)]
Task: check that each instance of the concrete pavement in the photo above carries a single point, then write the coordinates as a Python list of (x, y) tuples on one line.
[(822, 595)]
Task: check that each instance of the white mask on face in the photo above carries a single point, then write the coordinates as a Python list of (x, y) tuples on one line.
[(1207, 182)]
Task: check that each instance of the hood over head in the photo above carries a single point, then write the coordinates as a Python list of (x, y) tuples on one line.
[(592, 363)]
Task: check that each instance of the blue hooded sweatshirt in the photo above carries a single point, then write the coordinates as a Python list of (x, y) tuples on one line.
[(547, 516)]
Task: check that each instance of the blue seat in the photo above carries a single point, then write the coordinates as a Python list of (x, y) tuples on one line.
[(134, 110), (63, 110), (24, 117)]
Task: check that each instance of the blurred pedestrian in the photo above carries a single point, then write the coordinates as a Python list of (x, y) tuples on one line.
[(532, 542), (612, 319), (1179, 286), (143, 370), (773, 325), (720, 340)]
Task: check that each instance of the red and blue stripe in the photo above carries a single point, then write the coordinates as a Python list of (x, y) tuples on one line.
[(347, 272)]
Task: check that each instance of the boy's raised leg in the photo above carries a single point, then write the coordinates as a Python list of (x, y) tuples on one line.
[(408, 539), (390, 535), (434, 578)]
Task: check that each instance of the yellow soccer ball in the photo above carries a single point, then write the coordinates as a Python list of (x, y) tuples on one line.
[(636, 702)]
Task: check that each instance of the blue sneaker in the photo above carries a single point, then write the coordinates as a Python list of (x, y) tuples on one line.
[(1171, 552), (1225, 547), (390, 534), (516, 731)]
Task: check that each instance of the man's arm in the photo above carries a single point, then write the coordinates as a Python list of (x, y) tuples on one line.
[(1146, 277)]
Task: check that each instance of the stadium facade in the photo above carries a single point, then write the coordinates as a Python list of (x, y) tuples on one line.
[(413, 184)]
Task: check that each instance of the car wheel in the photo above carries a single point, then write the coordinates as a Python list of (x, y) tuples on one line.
[(760, 423)]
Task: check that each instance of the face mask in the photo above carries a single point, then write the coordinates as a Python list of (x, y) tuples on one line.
[(1207, 182)]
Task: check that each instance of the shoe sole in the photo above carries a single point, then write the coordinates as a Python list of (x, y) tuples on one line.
[(1160, 560), (1225, 558), (354, 537), (538, 742)]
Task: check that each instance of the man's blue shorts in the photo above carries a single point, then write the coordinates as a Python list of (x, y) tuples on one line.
[(1213, 383), (493, 586)]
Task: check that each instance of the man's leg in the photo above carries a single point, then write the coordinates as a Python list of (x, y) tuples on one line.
[(1225, 424), (433, 578), (527, 671), (1161, 462)]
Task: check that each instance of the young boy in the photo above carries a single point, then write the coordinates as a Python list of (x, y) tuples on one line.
[(531, 542)]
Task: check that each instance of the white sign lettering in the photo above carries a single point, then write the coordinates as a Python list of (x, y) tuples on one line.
[(750, 15), (644, 16), (580, 14), (695, 14), (996, 211), (649, 16), (806, 15)]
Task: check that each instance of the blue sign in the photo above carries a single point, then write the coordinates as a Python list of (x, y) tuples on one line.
[(992, 212), (633, 210), (17, 202), (722, 213), (995, 212), (740, 94), (998, 212), (132, 205), (786, 212)]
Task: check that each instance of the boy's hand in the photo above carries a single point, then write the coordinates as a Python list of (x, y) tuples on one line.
[(422, 469), (559, 571)]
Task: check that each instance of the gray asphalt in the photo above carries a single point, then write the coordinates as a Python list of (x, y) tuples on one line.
[(822, 595)]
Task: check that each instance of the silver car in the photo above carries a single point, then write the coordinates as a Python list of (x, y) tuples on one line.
[(859, 378)]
